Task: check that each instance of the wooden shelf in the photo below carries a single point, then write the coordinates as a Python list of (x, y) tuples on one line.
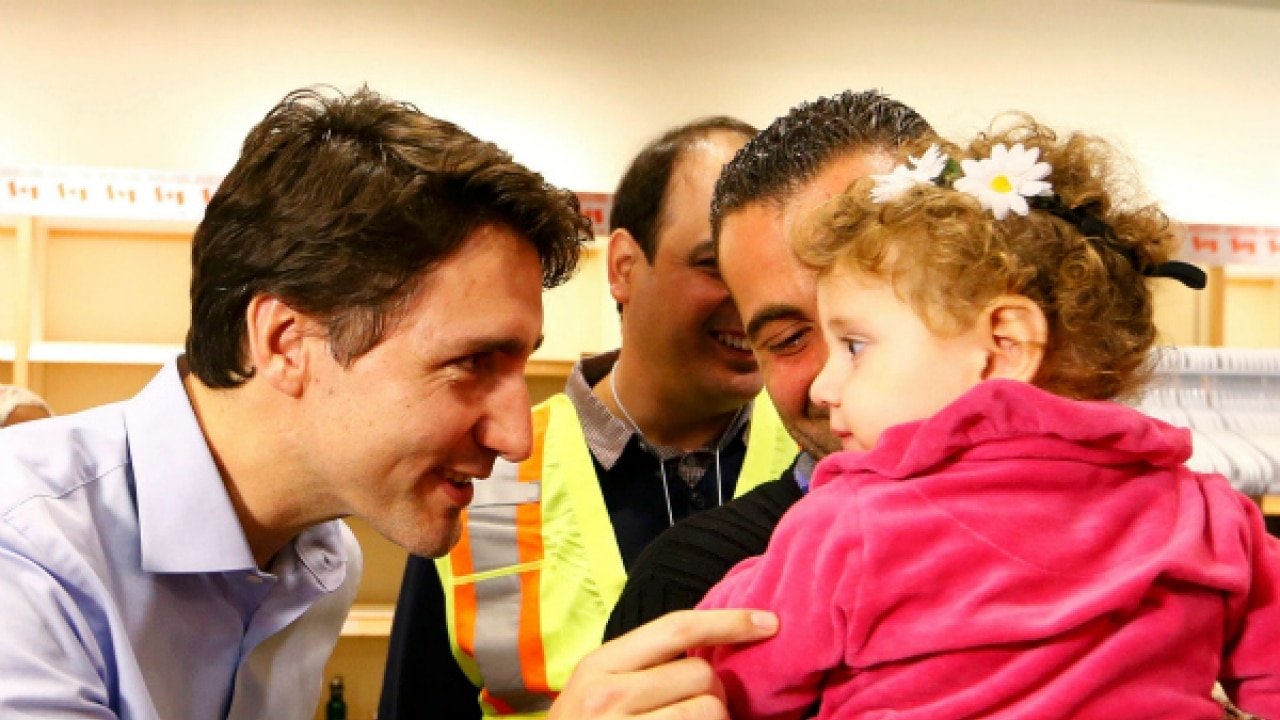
[(369, 620), (549, 368), (1252, 272), (100, 353), (1271, 504)]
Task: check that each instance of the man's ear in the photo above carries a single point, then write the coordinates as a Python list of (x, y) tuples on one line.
[(1017, 333), (624, 255), (276, 333)]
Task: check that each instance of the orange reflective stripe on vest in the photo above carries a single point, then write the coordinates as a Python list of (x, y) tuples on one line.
[(505, 532), (537, 569)]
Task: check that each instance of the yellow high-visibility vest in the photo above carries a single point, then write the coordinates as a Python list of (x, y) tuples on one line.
[(530, 584)]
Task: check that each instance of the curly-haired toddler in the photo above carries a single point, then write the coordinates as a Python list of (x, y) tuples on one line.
[(1001, 538)]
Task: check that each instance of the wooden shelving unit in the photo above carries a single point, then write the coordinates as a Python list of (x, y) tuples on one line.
[(103, 353), (1271, 505), (369, 620)]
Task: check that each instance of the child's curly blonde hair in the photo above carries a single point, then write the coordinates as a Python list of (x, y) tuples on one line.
[(948, 258)]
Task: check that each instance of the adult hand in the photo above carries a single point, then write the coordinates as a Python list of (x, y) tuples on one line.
[(644, 672)]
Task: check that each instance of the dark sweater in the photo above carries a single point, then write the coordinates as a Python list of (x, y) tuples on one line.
[(677, 569)]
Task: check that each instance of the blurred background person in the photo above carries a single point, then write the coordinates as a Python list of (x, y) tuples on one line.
[(18, 405)]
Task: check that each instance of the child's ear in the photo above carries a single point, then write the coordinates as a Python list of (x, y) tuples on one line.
[(1018, 332)]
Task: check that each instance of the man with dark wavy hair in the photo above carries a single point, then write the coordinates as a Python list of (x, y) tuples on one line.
[(366, 291)]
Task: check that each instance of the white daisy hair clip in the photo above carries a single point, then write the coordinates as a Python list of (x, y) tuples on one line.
[(1001, 183), (925, 169), (1013, 179), (1004, 181)]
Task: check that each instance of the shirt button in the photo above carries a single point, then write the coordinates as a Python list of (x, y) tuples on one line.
[(697, 501)]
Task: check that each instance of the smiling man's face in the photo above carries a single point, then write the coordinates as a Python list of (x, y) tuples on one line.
[(778, 297)]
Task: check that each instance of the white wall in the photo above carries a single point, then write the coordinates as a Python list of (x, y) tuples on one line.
[(573, 88)]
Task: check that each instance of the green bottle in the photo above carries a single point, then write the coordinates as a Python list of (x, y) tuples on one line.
[(336, 709)]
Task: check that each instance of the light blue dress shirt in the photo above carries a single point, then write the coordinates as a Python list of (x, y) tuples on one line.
[(127, 588)]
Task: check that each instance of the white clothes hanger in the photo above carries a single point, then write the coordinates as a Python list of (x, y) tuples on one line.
[(1229, 398)]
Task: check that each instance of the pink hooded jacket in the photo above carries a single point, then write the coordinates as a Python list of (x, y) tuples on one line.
[(1018, 555)]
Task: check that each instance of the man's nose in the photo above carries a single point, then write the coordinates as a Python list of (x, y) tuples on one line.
[(507, 428)]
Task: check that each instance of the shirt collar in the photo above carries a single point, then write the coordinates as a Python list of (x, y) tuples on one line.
[(608, 435), (803, 469), (185, 518)]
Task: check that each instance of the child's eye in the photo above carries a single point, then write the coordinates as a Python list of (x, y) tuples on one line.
[(855, 346)]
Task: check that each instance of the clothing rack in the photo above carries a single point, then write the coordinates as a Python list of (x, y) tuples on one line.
[(1230, 400)]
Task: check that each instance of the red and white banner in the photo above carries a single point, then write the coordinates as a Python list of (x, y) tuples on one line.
[(598, 207), (1231, 245), (84, 192), (105, 193), (119, 193)]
